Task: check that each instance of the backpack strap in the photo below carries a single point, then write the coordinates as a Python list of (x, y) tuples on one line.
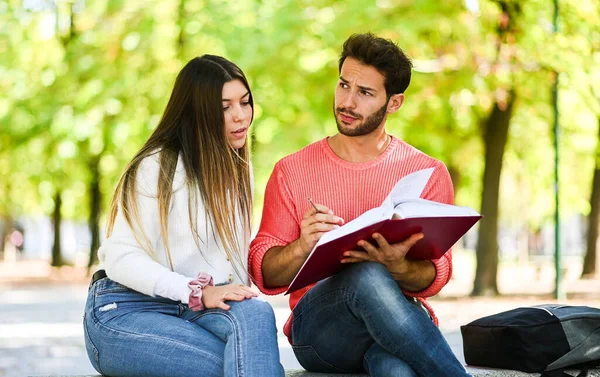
[(561, 373)]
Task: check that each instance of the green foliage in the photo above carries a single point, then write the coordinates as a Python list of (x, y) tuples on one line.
[(88, 84)]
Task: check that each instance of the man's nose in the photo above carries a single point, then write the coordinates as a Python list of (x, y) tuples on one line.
[(349, 101)]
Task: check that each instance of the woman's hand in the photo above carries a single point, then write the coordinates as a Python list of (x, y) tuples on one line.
[(215, 297)]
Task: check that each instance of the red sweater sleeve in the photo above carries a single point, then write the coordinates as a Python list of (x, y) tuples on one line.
[(279, 226), (439, 189)]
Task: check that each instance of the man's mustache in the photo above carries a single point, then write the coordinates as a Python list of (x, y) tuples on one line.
[(348, 112)]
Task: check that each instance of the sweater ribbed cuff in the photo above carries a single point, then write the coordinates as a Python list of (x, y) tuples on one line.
[(196, 285), (257, 255), (443, 270)]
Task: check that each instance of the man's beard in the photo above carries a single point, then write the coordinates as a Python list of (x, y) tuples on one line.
[(366, 127)]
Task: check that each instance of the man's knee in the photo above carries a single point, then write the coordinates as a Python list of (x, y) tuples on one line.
[(372, 284), (368, 275), (367, 268), (379, 362)]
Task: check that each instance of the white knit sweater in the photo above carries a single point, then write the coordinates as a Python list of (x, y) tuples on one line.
[(127, 263)]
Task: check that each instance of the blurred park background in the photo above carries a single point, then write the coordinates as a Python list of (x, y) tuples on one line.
[(83, 83), (506, 93), (501, 91)]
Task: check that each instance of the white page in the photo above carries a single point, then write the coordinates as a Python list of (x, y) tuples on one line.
[(409, 187), (372, 216), (426, 208)]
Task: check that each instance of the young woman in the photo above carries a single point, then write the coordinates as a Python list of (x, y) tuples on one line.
[(173, 298)]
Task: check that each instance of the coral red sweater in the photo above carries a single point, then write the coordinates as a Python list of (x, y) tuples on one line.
[(348, 189)]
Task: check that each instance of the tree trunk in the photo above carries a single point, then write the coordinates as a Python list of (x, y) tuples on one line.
[(494, 138), (57, 260), (95, 209), (454, 176), (5, 228), (6, 218), (181, 35), (591, 254)]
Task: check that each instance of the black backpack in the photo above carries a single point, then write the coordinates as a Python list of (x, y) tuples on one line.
[(545, 339)]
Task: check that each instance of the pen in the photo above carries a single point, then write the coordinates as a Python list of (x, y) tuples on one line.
[(314, 206)]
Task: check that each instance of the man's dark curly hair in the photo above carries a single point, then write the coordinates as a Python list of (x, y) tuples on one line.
[(384, 55)]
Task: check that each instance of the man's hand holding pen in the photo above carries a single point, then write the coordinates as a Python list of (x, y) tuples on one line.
[(317, 221)]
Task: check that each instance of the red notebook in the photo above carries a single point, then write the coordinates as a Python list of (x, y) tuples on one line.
[(440, 234)]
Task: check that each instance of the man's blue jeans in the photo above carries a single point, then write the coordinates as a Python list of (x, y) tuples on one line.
[(360, 320), (128, 333)]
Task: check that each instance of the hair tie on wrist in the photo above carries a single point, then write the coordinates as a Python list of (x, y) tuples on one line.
[(195, 301)]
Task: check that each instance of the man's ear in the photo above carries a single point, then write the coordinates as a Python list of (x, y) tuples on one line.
[(395, 103)]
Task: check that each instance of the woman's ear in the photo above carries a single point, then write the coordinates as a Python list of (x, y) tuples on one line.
[(395, 103)]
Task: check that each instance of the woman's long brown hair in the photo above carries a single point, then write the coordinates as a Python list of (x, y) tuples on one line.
[(192, 127)]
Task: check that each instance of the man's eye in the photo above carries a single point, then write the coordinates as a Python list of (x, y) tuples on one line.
[(245, 103)]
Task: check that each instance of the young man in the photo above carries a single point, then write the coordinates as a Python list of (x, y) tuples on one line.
[(372, 315)]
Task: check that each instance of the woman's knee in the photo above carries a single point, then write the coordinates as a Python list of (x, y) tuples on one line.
[(254, 309)]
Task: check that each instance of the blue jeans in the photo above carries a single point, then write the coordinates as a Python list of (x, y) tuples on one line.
[(128, 333), (359, 320)]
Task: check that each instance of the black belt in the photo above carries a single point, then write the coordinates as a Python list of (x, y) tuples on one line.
[(100, 274)]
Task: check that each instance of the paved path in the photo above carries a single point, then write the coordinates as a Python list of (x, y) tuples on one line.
[(41, 331)]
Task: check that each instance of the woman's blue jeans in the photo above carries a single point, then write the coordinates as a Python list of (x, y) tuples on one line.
[(360, 320), (128, 333)]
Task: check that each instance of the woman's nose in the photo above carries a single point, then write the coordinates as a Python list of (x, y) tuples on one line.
[(239, 114)]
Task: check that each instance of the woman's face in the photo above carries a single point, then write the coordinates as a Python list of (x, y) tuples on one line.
[(237, 112)]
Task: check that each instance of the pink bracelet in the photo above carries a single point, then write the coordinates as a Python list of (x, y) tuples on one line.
[(203, 279)]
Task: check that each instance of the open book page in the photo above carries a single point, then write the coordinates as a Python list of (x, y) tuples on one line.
[(426, 208), (409, 187), (372, 216)]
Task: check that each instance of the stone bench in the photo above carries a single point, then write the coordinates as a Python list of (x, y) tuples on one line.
[(476, 372)]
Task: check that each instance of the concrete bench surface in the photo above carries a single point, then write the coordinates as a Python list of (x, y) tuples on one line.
[(476, 372)]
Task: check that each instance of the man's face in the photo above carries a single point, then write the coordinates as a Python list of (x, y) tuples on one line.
[(360, 104)]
